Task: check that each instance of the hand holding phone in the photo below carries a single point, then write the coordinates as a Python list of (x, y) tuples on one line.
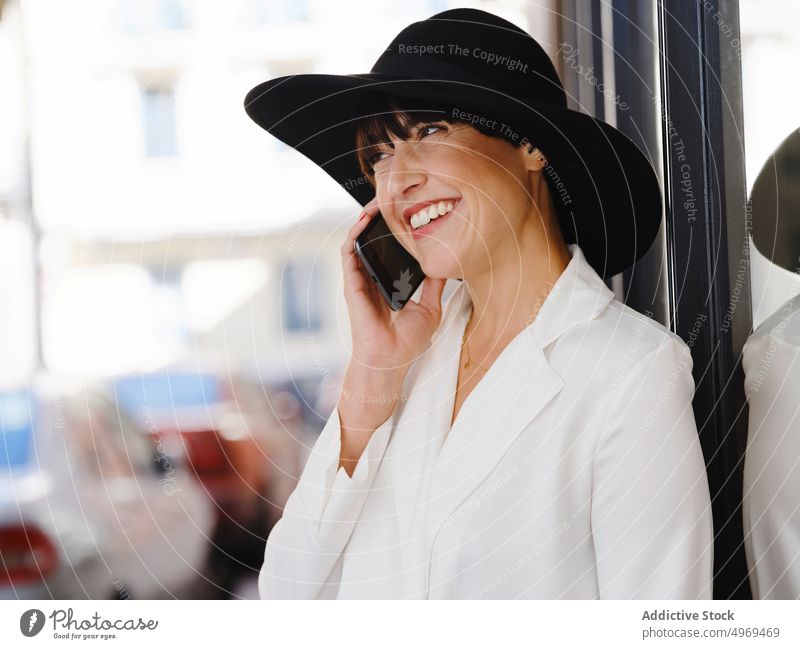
[(388, 328)]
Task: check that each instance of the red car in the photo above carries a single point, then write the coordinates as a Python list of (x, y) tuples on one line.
[(244, 449), (86, 508)]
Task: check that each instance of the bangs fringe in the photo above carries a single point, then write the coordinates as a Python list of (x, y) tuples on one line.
[(387, 116)]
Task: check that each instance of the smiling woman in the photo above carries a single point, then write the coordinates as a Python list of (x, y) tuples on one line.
[(428, 163), (546, 445)]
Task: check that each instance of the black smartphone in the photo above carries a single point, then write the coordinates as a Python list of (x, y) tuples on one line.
[(393, 269)]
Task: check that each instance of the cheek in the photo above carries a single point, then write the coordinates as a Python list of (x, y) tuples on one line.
[(506, 194), (382, 194), (484, 182), (381, 189)]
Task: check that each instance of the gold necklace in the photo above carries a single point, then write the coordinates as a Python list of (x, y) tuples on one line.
[(468, 362)]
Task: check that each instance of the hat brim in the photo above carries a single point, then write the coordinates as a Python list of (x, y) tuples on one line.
[(610, 194)]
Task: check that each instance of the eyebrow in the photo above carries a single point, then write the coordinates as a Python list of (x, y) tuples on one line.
[(414, 131)]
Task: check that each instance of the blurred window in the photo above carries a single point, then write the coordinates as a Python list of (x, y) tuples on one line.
[(426, 6), (16, 428), (301, 296), (278, 11), (214, 290), (166, 297), (144, 16), (158, 121)]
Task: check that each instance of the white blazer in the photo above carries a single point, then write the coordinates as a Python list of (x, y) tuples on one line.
[(573, 470), (770, 504)]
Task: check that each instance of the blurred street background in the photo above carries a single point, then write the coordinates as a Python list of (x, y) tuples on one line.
[(173, 329)]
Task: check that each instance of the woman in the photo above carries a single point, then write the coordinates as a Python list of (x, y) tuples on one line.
[(534, 437)]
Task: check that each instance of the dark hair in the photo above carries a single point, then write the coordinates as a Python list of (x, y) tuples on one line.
[(399, 116)]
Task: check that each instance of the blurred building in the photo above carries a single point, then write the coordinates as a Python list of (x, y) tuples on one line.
[(17, 294), (173, 229)]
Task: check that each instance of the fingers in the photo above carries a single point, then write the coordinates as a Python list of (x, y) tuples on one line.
[(349, 258)]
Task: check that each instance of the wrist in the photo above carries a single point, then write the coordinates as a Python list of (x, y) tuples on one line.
[(361, 381), (369, 396)]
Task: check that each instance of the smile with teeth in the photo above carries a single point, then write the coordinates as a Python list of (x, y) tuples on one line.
[(431, 212)]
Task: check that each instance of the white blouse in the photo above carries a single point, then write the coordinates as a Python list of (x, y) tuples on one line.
[(573, 471)]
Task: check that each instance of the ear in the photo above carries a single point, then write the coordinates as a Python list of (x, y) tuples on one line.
[(534, 159)]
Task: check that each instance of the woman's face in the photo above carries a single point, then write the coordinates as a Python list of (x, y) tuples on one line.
[(481, 183)]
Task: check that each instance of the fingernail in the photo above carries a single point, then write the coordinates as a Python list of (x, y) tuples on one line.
[(363, 214)]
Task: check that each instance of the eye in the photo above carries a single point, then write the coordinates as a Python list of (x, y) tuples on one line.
[(424, 131), (376, 157)]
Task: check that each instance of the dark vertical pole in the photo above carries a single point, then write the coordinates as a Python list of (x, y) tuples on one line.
[(677, 68), (638, 115), (709, 292), (628, 37), (580, 29)]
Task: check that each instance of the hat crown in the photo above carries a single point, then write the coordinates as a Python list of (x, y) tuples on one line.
[(474, 47)]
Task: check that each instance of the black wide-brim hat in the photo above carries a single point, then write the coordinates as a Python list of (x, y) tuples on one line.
[(474, 62)]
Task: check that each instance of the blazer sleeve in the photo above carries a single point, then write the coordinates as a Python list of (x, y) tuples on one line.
[(319, 516), (651, 510), (771, 471)]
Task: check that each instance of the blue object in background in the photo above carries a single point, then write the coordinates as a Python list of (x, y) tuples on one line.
[(165, 390), (17, 423)]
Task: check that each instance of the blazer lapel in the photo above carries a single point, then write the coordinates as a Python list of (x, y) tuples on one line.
[(434, 468), (515, 390), (423, 425)]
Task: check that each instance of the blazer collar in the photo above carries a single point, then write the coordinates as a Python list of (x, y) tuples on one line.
[(434, 468), (579, 295)]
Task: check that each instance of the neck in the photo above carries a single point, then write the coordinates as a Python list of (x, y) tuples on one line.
[(508, 290)]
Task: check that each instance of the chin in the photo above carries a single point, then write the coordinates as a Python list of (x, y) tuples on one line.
[(444, 266)]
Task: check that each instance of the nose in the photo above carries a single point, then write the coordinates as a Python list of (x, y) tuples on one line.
[(405, 175)]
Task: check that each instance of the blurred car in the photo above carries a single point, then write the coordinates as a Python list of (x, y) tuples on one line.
[(244, 448), (87, 509)]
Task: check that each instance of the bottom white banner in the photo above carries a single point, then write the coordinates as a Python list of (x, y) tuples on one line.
[(399, 624)]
